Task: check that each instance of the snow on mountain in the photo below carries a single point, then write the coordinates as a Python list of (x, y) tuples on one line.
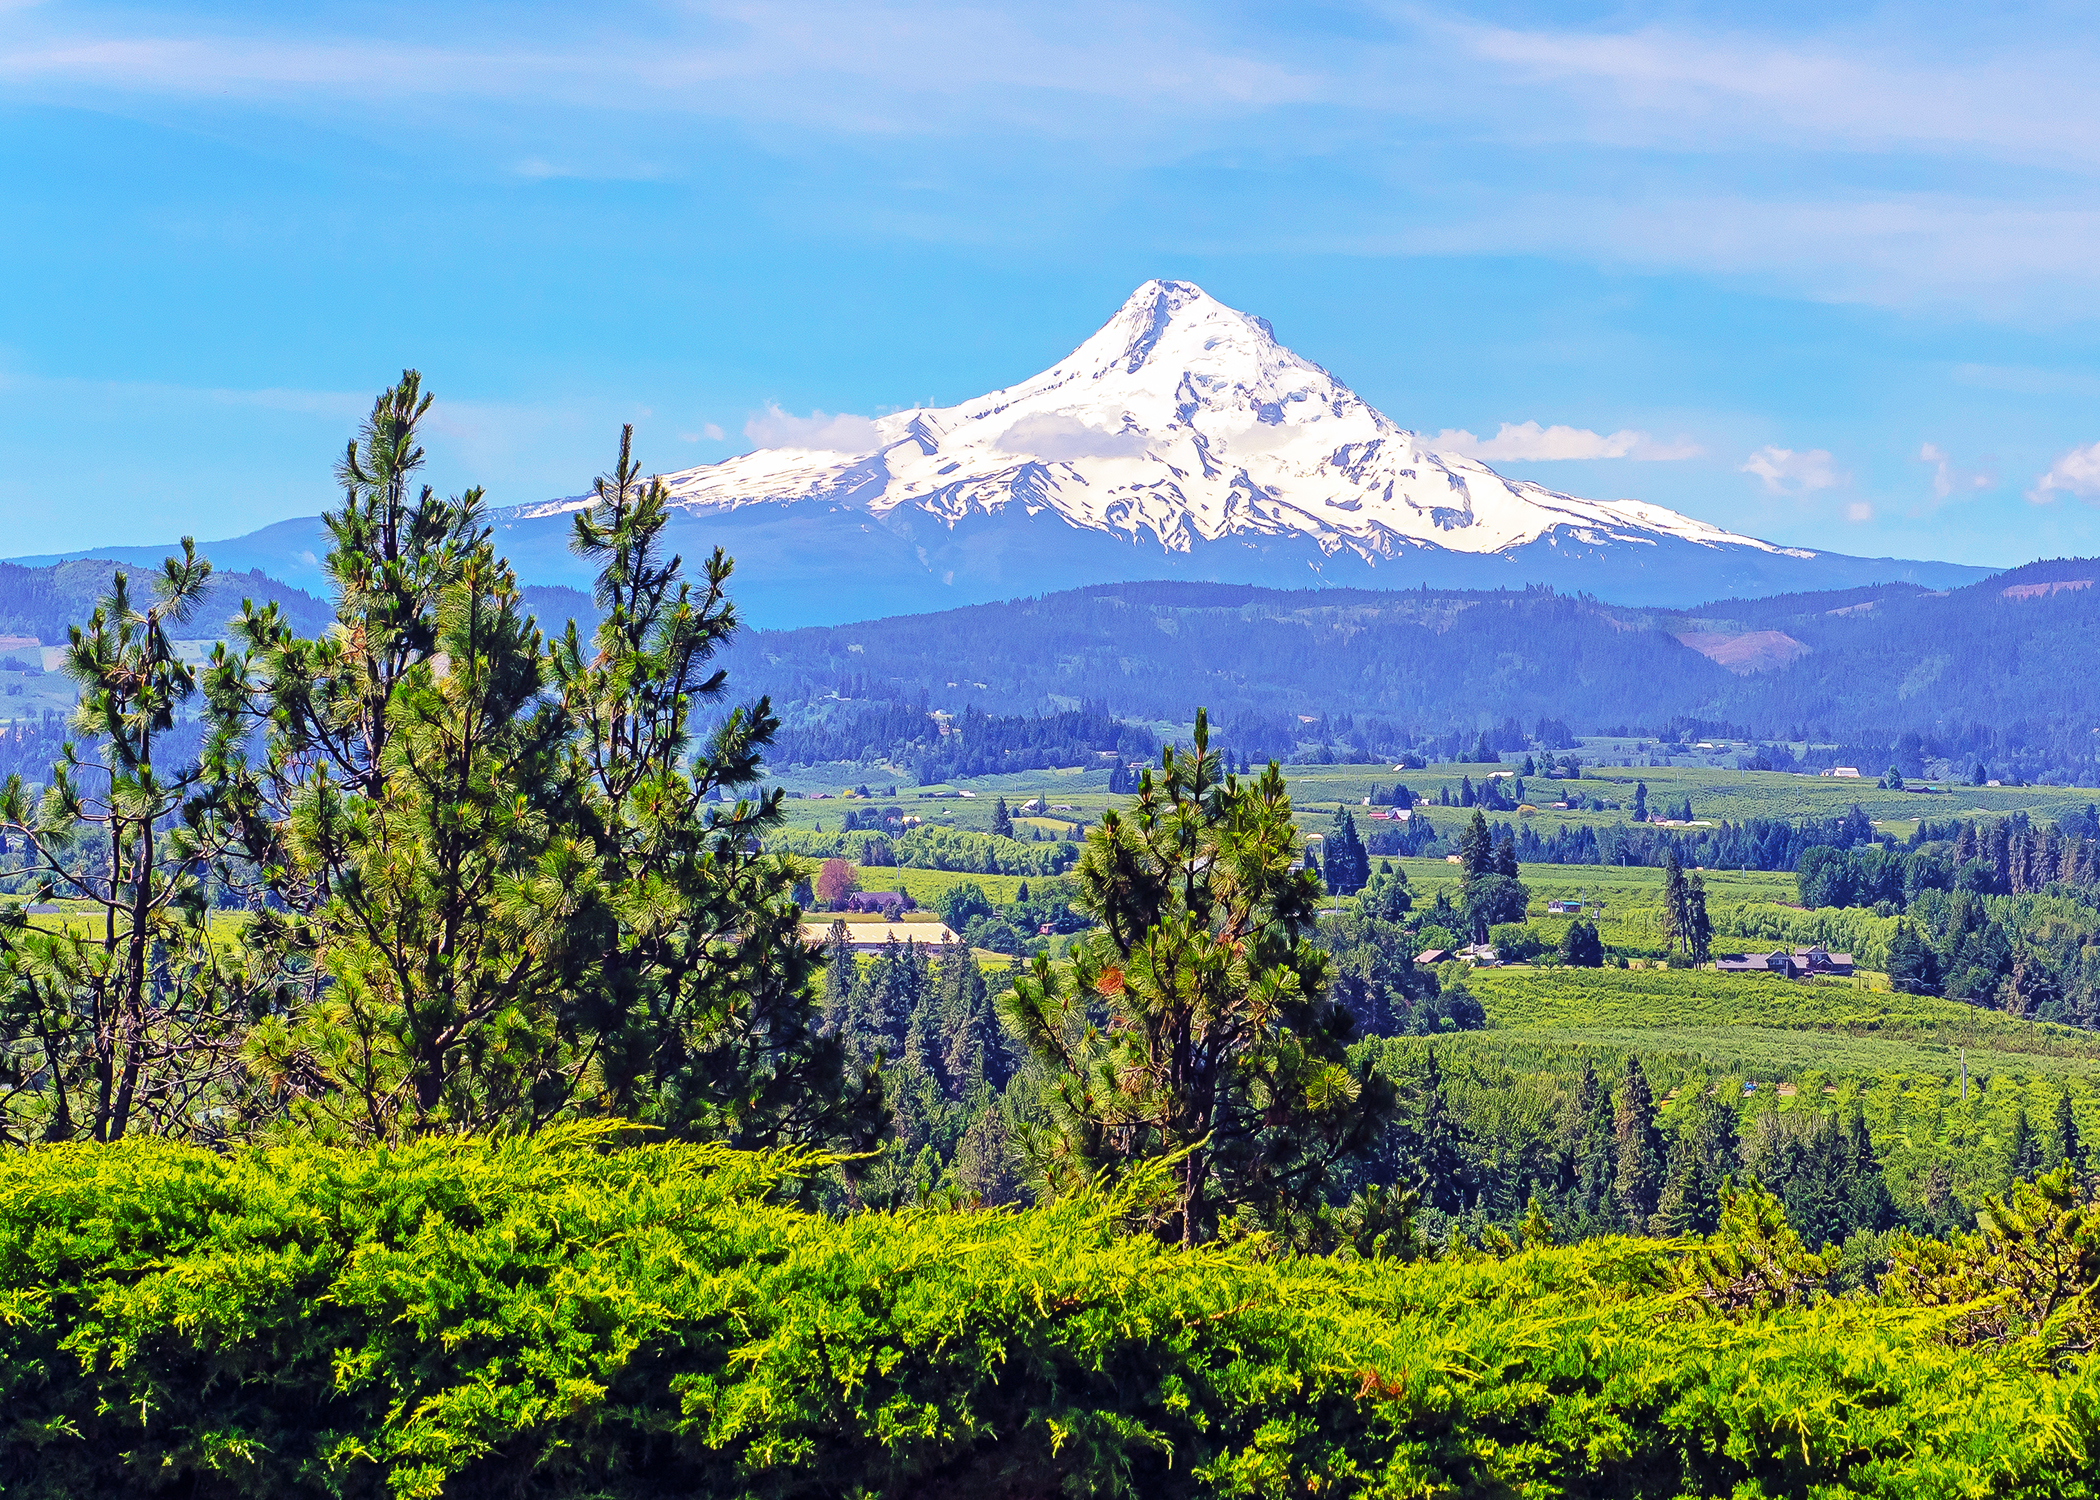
[(1183, 421)]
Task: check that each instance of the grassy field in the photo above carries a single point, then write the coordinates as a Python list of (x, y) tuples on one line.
[(1716, 794)]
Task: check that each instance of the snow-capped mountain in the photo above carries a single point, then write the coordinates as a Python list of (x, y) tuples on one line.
[(1181, 422), (1180, 441)]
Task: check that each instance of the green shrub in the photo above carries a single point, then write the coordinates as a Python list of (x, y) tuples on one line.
[(554, 1319)]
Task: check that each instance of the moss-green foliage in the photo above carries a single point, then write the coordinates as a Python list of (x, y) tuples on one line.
[(453, 1318)]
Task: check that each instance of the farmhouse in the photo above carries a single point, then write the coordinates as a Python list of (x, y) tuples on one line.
[(1432, 956), (1563, 908), (1801, 963)]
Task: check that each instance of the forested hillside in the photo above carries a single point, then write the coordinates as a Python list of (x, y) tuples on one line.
[(43, 602), (1997, 672)]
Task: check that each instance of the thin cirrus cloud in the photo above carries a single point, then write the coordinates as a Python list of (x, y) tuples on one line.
[(1784, 471), (2075, 473), (819, 432), (1152, 84), (1528, 442), (1948, 479)]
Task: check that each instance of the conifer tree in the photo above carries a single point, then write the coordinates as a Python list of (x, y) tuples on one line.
[(414, 768), (2025, 1154), (1433, 1153), (1870, 1205), (2070, 1147), (1221, 1050), (1348, 864), (516, 889), (1002, 820), (700, 1016), (132, 1021), (1642, 1159), (1594, 1158), (1698, 926), (1702, 1156)]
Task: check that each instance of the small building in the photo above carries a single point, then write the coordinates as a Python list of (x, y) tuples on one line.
[(1822, 961), (1800, 963), (1433, 956), (1778, 961), (1564, 908), (1848, 772)]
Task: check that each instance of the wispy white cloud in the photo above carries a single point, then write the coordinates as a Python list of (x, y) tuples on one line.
[(708, 432), (1849, 111), (820, 432), (1684, 86), (2074, 473), (1529, 442), (1860, 510), (1786, 472), (1949, 480), (1056, 439)]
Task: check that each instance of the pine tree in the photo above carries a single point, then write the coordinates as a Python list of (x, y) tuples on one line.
[(1594, 1156), (1699, 927), (1506, 857), (409, 808), (2025, 1155), (1476, 850), (1435, 1154), (1642, 1159), (1640, 802), (1223, 1051), (1347, 862), (1002, 820), (523, 888), (1702, 1156), (134, 1021), (1677, 918), (1914, 968), (2070, 1147), (702, 1006)]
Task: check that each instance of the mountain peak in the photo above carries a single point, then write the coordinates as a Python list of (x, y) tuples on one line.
[(1183, 422), (1167, 323), (1158, 308)]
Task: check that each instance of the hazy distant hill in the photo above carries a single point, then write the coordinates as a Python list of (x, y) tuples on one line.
[(2000, 670), (43, 601)]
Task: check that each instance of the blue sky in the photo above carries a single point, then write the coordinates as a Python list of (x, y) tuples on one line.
[(1826, 274)]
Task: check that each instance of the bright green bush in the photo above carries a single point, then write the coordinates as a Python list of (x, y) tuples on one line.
[(550, 1318)]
